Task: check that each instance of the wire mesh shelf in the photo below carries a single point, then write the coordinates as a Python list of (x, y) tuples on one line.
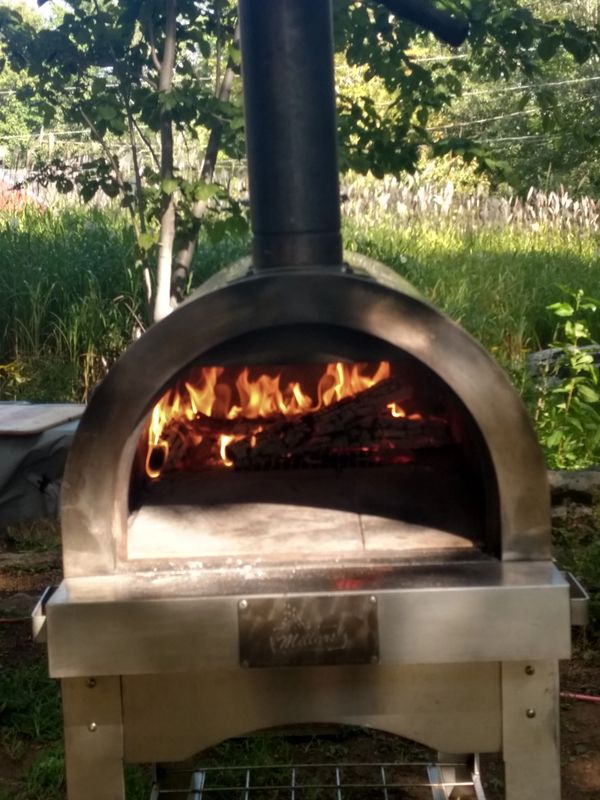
[(343, 781)]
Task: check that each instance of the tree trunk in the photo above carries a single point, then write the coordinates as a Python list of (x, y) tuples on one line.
[(162, 300), (185, 254)]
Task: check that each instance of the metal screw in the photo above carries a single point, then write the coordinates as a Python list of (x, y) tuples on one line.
[(373, 600), (91, 683), (529, 670), (92, 727), (243, 604), (530, 713)]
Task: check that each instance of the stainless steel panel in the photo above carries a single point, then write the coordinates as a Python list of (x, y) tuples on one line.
[(99, 627), (530, 730), (92, 713), (451, 707)]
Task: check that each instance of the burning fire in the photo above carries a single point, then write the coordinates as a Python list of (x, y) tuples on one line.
[(209, 397)]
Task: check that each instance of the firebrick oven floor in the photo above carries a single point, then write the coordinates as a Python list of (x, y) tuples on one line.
[(262, 530)]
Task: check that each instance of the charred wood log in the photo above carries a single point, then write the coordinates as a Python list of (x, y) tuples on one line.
[(358, 425)]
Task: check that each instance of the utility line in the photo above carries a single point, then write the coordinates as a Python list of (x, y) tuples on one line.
[(544, 85), (481, 121), (525, 112)]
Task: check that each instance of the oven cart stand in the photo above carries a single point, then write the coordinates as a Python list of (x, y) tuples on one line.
[(527, 716), (156, 662)]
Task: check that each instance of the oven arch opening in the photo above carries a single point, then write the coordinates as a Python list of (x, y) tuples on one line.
[(361, 453), (369, 303)]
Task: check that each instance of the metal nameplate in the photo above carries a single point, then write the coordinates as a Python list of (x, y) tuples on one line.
[(308, 631)]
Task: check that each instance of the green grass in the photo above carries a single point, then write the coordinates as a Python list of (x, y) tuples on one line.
[(31, 736), (71, 299), (496, 282), (71, 295)]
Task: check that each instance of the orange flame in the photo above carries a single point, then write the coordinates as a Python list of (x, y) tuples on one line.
[(257, 399)]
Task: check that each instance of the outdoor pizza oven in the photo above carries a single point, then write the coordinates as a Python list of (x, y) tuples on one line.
[(306, 496), (299, 417)]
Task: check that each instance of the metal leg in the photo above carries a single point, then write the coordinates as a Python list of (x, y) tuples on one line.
[(452, 776), (93, 738), (530, 708)]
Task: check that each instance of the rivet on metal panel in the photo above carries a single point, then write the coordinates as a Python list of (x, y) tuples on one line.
[(529, 670), (92, 727), (373, 600), (91, 683), (243, 604), (530, 713)]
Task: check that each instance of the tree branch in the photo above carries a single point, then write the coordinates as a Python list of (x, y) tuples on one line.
[(152, 42), (113, 161), (136, 168), (185, 254), (147, 142)]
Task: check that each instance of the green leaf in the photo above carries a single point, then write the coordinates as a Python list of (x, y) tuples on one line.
[(588, 394), (204, 191), (88, 191), (579, 48), (169, 185), (237, 122), (147, 240), (237, 225), (234, 55), (204, 47), (117, 126), (561, 309), (104, 111), (167, 100), (110, 188), (547, 47)]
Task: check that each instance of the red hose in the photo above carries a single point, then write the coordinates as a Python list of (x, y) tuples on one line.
[(6, 620), (586, 698)]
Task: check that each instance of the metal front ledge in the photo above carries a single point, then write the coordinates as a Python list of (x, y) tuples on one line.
[(127, 625), (580, 601)]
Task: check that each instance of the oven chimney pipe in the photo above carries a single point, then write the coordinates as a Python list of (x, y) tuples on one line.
[(291, 134)]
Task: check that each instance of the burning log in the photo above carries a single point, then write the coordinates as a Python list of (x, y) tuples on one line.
[(352, 426), (362, 425), (384, 440)]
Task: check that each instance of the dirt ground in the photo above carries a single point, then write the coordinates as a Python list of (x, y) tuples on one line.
[(23, 576)]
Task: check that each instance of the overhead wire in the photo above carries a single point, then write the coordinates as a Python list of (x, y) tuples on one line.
[(524, 112)]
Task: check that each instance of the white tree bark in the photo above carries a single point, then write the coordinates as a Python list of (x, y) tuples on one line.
[(162, 300)]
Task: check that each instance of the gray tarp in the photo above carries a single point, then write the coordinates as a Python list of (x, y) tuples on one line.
[(31, 468)]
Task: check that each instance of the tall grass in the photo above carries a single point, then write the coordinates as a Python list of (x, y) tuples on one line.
[(495, 282), (69, 297), (71, 294), (493, 263)]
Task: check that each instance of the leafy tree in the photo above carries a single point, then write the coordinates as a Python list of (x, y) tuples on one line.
[(17, 119), (140, 72), (543, 122), (161, 75)]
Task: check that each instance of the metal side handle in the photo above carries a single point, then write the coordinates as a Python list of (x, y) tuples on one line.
[(580, 601), (38, 616)]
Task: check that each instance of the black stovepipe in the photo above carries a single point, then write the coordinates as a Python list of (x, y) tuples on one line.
[(291, 139)]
